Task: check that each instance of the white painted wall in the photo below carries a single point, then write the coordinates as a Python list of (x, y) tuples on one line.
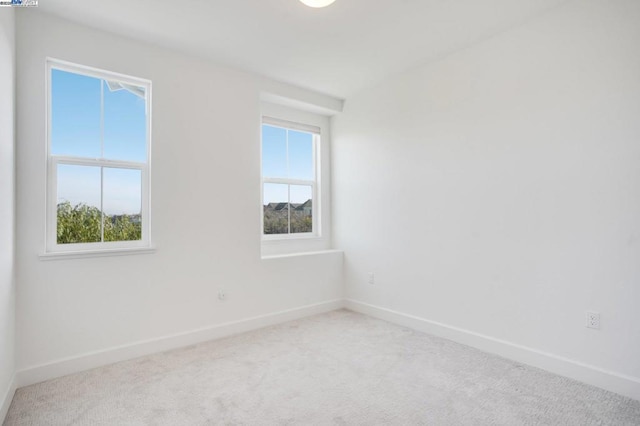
[(498, 189), (7, 284), (205, 209)]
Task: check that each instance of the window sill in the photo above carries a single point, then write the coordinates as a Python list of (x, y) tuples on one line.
[(301, 243), (306, 253), (63, 255), (277, 238)]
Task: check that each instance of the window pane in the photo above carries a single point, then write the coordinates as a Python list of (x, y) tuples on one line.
[(274, 151), (125, 122), (122, 202), (301, 208), (78, 209), (276, 208), (300, 155), (75, 114)]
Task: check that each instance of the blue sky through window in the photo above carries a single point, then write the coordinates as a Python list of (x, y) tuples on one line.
[(286, 154), (75, 114), (93, 119)]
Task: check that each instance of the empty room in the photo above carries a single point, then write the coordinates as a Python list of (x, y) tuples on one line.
[(320, 212)]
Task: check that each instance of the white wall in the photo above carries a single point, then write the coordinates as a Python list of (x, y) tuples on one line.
[(498, 190), (205, 210), (7, 285)]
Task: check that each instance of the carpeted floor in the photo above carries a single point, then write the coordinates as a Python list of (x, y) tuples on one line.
[(336, 368)]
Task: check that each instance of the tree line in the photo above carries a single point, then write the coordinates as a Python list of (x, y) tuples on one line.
[(82, 223)]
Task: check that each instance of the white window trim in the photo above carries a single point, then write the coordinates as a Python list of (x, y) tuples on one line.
[(293, 244), (314, 184), (52, 248)]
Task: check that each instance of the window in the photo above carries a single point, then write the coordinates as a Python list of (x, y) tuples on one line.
[(289, 179), (98, 160)]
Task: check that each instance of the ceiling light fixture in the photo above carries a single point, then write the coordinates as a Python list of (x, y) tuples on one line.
[(317, 3)]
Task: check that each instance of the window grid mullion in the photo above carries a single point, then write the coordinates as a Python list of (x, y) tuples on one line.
[(102, 204), (289, 185), (288, 181), (101, 118), (102, 158), (97, 162), (314, 195), (289, 208)]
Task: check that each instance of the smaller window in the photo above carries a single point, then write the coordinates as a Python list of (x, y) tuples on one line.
[(289, 179), (98, 160)]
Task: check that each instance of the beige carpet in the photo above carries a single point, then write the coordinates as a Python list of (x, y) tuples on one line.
[(336, 368)]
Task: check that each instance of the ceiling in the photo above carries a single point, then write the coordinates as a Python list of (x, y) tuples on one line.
[(337, 50)]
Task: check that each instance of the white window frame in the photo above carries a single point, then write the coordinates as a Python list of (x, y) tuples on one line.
[(52, 246), (316, 227)]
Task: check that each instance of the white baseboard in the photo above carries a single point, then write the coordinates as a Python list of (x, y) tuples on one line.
[(609, 380), (589, 374), (8, 397), (63, 367)]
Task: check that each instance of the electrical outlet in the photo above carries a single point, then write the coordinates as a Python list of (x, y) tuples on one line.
[(593, 320), (371, 279), (222, 294)]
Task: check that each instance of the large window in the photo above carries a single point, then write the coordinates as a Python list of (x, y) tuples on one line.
[(98, 159), (289, 179)]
